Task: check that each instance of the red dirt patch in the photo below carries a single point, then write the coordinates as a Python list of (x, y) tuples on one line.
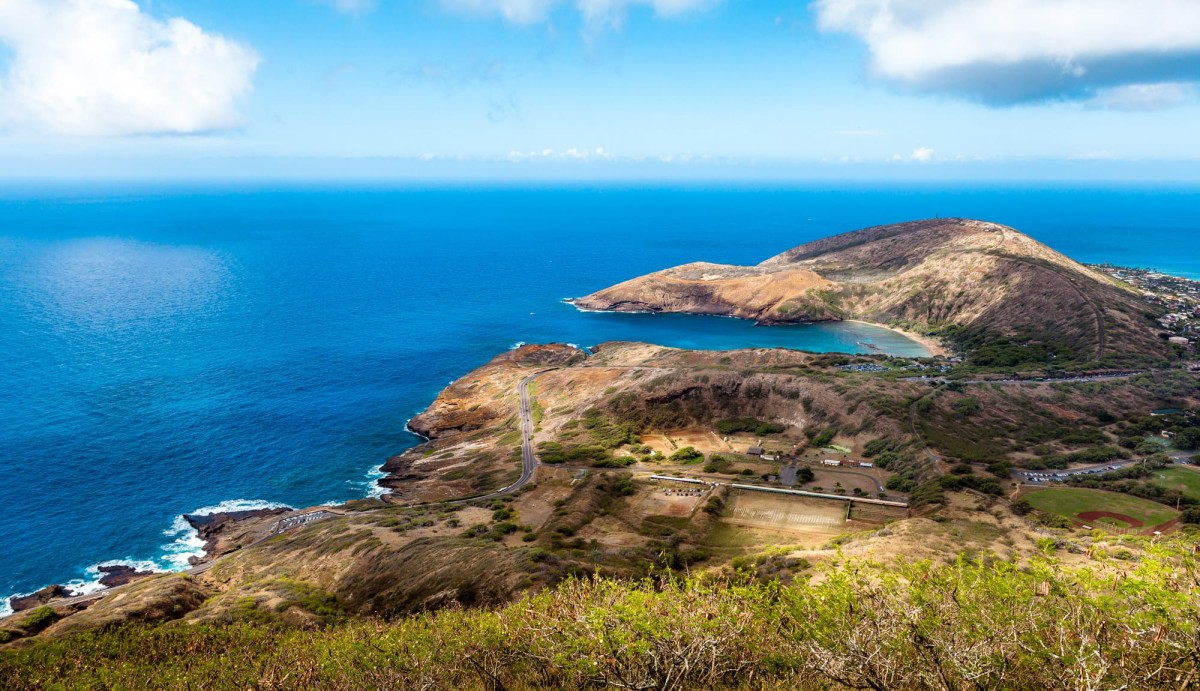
[(1094, 515), (1163, 527)]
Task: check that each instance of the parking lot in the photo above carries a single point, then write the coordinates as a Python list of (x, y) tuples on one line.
[(1045, 476)]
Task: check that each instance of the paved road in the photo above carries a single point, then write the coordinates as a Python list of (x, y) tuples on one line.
[(529, 462), (528, 458), (1043, 380)]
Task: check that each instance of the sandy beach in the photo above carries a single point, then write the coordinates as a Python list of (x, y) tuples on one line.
[(934, 345)]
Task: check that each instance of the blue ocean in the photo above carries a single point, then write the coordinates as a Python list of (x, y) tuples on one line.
[(174, 349)]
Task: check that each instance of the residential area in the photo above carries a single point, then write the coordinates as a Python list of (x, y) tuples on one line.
[(1180, 297)]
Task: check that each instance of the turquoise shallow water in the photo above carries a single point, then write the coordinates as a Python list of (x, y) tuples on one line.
[(168, 349)]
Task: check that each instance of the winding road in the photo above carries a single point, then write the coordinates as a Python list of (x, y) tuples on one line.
[(528, 458)]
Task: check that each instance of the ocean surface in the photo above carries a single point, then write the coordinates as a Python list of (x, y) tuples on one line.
[(179, 349)]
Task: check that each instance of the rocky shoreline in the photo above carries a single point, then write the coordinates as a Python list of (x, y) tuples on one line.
[(215, 529)]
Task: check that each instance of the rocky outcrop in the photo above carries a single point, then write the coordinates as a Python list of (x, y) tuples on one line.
[(225, 530), (700, 288), (478, 399), (119, 574), (41, 597)]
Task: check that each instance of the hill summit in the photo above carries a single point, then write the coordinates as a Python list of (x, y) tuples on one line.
[(1000, 295)]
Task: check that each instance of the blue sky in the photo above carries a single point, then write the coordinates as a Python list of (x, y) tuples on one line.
[(600, 88)]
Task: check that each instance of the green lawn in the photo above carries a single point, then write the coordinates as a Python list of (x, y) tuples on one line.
[(1071, 502), (1186, 480)]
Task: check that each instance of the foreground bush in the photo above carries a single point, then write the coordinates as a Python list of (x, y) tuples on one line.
[(914, 626)]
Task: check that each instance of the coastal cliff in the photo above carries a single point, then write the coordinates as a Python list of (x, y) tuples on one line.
[(469, 403), (607, 424), (976, 283)]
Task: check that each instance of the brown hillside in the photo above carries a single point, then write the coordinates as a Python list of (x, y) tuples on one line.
[(979, 282)]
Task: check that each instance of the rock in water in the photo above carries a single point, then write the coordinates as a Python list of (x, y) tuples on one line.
[(41, 597)]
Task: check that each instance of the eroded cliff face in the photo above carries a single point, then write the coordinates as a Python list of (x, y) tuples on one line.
[(932, 275), (752, 292), (486, 395), (464, 423)]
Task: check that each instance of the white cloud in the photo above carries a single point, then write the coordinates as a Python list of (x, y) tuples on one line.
[(104, 67), (1144, 96), (572, 154), (1006, 51), (922, 154), (594, 12), (612, 12), (515, 11)]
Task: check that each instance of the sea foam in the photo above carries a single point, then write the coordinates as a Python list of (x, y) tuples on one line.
[(186, 542)]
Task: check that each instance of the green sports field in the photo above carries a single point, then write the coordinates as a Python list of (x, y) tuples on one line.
[(1186, 480), (1071, 502)]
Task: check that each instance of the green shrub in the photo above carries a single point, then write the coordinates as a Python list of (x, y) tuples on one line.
[(624, 487), (718, 463), (824, 437), (966, 407), (749, 424), (38, 619), (983, 624), (875, 447), (556, 453), (1002, 469), (687, 455), (614, 462), (1187, 439)]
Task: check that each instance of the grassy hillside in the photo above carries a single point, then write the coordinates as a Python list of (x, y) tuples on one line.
[(967, 624), (1184, 480)]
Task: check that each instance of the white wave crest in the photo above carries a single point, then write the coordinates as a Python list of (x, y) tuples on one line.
[(90, 583), (370, 485), (412, 431), (186, 544)]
